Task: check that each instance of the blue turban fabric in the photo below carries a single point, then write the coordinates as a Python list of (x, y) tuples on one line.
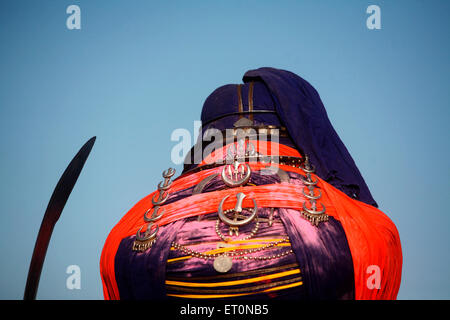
[(298, 107), (301, 110)]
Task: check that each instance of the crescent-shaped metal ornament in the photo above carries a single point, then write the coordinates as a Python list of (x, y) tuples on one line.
[(310, 183), (202, 184), (310, 169), (147, 235), (228, 180), (311, 197), (162, 197), (164, 185), (168, 173), (314, 212), (155, 216), (232, 222)]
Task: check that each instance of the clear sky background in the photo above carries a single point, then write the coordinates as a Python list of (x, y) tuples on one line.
[(137, 70)]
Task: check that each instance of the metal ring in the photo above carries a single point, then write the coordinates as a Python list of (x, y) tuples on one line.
[(146, 236), (235, 183), (156, 202), (153, 218), (314, 212), (163, 187), (310, 182), (311, 170), (310, 197), (233, 223), (168, 173), (202, 184)]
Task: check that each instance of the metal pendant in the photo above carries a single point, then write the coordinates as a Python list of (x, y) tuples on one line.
[(145, 241), (223, 263), (312, 214), (238, 219), (156, 215), (236, 174), (202, 184), (163, 186)]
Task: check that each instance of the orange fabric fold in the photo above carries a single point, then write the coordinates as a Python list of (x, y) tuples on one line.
[(372, 237), (266, 196)]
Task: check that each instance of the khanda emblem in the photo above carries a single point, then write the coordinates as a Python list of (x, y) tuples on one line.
[(236, 174), (236, 217), (244, 148)]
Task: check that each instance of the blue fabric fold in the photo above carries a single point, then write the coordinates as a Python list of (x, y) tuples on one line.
[(301, 110)]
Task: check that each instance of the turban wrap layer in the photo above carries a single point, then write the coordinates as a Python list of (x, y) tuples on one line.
[(298, 107), (336, 255)]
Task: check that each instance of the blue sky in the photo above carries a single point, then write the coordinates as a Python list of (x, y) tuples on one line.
[(137, 70)]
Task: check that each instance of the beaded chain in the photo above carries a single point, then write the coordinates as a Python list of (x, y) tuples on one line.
[(233, 253), (252, 233)]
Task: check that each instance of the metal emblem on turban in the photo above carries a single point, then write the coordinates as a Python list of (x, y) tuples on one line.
[(244, 148), (238, 219), (145, 240), (163, 186), (236, 174)]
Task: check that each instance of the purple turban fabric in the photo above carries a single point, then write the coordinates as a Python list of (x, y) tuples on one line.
[(296, 105)]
